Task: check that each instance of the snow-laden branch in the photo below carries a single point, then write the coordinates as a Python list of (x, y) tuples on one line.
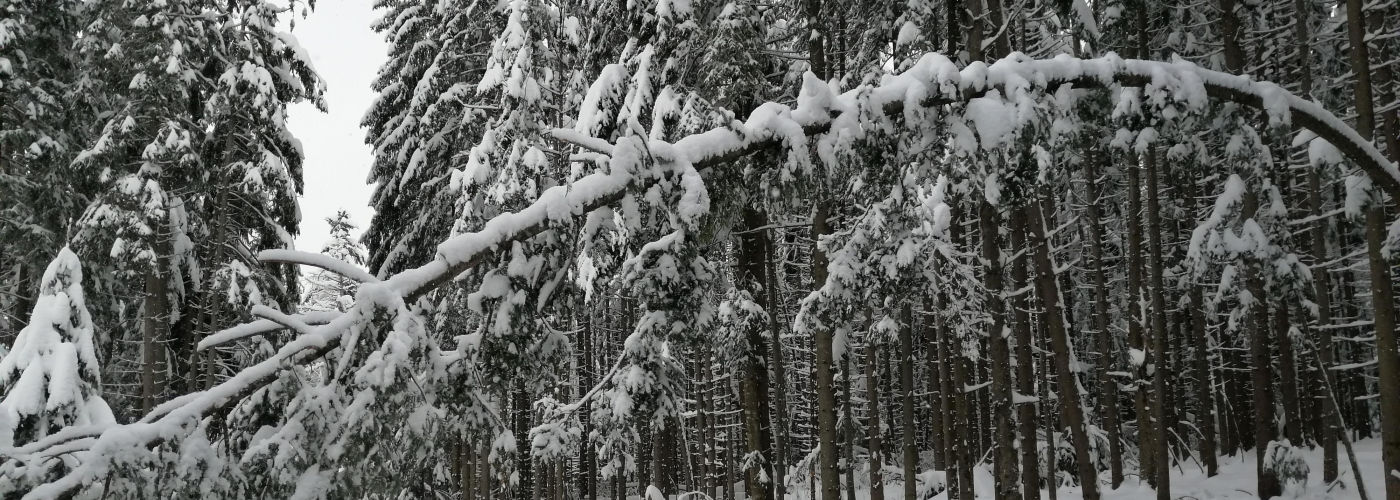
[(181, 414), (281, 318), (820, 116), (261, 327), (326, 262)]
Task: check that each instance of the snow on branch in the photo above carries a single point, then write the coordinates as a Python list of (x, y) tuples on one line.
[(281, 318), (820, 116), (326, 262), (261, 327), (179, 415)]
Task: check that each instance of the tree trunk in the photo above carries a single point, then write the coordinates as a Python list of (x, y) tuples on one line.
[(1261, 351), (906, 387), (588, 459), (1322, 296), (24, 289), (825, 385), (483, 481), (1387, 352), (467, 467), (780, 413), (1025, 364), (1048, 289), (753, 386), (850, 428), (1157, 357), (1137, 338), (662, 462), (872, 422), (1382, 294), (1103, 339), (730, 457), (708, 437), (1200, 362), (1287, 376), (958, 417), (155, 329), (1052, 420), (946, 401), (520, 406), (1003, 436), (935, 370)]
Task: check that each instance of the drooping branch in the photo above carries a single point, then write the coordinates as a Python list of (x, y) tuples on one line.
[(930, 84), (281, 318), (262, 327), (346, 269)]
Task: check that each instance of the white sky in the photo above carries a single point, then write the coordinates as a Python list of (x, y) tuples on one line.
[(347, 54)]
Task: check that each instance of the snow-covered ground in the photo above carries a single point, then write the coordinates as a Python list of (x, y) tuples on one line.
[(1235, 481)]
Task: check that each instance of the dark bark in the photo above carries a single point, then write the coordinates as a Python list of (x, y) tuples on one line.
[(1387, 351), (1287, 377), (1025, 364), (935, 371), (1004, 458), (874, 444), (780, 408), (1108, 352), (825, 387), (754, 384), (1326, 428), (1157, 356), (155, 329), (1261, 359), (1322, 296), (520, 408), (849, 443), (906, 387), (1382, 293), (1200, 363), (1048, 290)]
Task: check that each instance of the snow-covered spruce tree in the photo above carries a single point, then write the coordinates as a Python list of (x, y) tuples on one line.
[(198, 171), (133, 215), (644, 391), (409, 28), (518, 334), (50, 378), (425, 117), (429, 113), (38, 136), (327, 290)]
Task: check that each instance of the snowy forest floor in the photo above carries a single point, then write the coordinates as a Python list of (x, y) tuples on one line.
[(1235, 481)]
